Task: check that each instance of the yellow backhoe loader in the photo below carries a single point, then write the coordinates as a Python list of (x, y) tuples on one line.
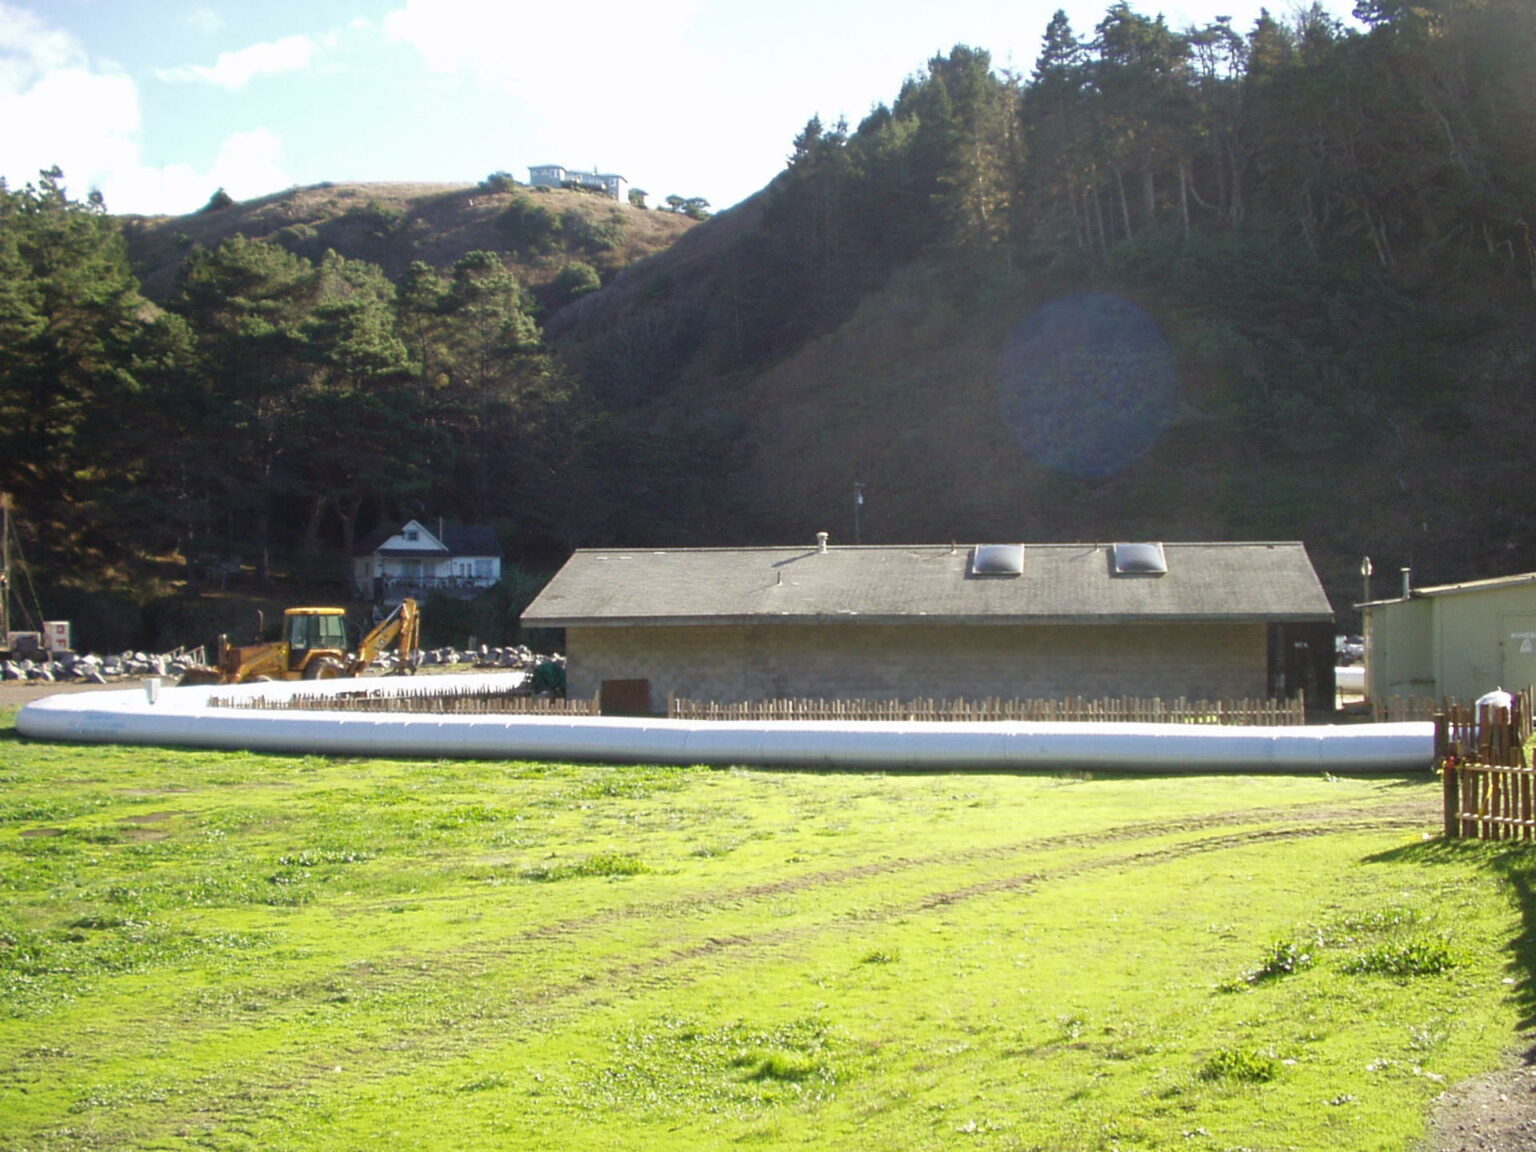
[(314, 647)]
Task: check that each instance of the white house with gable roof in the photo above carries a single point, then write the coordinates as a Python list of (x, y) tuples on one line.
[(413, 560)]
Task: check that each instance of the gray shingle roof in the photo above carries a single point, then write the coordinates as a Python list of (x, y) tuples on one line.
[(459, 540), (926, 583)]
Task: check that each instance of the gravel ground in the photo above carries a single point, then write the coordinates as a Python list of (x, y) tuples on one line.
[(15, 693), (1493, 1113)]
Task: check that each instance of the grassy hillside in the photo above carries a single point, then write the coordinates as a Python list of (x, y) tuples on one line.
[(394, 224)]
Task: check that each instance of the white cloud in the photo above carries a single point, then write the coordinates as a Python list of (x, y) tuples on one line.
[(234, 70), (83, 119), (533, 51), (203, 20), (59, 107), (612, 83), (248, 164), (511, 46), (27, 44)]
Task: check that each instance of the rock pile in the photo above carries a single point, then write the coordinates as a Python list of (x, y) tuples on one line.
[(517, 659), (69, 667), (91, 669)]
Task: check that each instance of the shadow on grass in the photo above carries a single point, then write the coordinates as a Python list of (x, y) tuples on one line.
[(1516, 865)]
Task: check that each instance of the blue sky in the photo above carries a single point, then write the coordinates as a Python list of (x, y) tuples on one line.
[(157, 103)]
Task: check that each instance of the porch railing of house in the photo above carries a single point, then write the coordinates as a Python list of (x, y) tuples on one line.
[(1489, 786), (406, 584)]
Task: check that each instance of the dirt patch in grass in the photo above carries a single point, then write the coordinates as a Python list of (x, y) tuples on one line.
[(1496, 1111)]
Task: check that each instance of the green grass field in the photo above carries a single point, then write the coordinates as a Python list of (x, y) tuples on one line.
[(239, 951)]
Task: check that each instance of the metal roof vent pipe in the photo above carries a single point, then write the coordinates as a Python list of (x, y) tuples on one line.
[(1407, 583), (821, 541)]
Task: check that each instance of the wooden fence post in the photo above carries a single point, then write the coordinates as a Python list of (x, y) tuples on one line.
[(1447, 765)]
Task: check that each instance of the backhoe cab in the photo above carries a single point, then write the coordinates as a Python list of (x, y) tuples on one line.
[(314, 647)]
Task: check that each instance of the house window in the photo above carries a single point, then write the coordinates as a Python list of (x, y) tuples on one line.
[(412, 535)]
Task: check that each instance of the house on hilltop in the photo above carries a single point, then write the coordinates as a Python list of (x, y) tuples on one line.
[(557, 176), (1215, 620), (413, 560)]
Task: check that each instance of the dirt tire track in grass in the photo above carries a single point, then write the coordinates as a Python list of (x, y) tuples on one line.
[(547, 1006), (1409, 815), (542, 1009), (595, 988), (1159, 856)]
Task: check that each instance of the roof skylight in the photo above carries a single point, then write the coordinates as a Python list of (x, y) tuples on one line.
[(1139, 560), (998, 560)]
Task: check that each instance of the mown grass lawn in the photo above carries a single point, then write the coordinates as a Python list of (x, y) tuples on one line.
[(239, 951)]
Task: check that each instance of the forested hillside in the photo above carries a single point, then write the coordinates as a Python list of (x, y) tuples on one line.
[(1211, 283), (244, 390), (1174, 283)]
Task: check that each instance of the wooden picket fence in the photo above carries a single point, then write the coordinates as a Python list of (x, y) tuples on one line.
[(1398, 709), (458, 702), (1489, 785), (1121, 709)]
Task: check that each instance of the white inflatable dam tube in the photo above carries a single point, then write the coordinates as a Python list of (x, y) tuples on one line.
[(182, 717)]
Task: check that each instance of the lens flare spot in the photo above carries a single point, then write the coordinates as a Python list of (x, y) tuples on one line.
[(1088, 384)]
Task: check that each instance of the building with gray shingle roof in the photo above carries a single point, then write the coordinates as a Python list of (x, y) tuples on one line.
[(1219, 620)]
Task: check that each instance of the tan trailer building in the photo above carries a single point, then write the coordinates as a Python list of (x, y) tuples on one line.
[(890, 622), (1458, 640)]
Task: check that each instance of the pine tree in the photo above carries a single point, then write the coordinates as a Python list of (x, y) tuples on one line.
[(72, 322), (1061, 170)]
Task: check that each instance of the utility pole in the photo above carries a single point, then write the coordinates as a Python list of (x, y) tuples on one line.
[(858, 507), (5, 569)]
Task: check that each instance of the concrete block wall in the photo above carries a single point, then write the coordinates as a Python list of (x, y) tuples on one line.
[(855, 661)]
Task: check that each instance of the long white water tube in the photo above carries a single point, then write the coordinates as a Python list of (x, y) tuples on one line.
[(182, 717)]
